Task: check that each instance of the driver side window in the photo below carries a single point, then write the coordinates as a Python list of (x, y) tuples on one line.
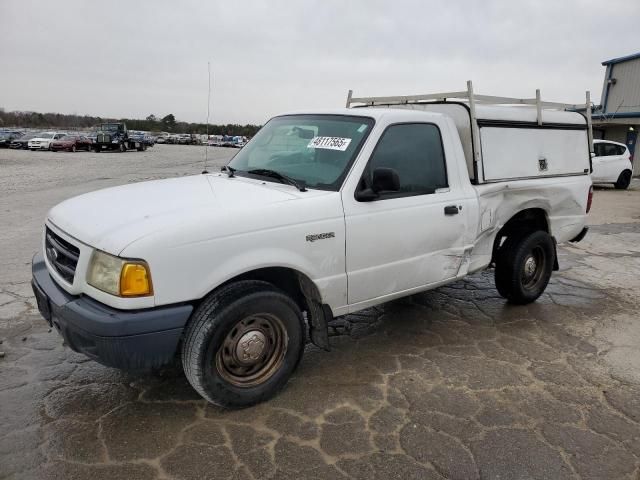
[(415, 152)]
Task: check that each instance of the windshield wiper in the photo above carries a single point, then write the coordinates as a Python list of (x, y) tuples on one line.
[(230, 170), (265, 172)]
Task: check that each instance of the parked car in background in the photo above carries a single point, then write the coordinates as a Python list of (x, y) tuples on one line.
[(159, 137), (71, 143), (173, 138), (239, 141), (8, 136), (142, 138), (44, 140), (612, 163), (227, 141), (185, 139), (21, 142), (215, 140)]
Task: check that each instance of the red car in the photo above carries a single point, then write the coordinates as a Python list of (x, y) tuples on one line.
[(71, 143)]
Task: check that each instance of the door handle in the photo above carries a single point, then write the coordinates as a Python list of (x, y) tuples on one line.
[(451, 210)]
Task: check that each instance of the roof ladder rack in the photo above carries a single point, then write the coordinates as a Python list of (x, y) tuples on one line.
[(473, 100)]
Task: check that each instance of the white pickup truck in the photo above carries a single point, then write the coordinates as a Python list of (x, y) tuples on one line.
[(321, 214)]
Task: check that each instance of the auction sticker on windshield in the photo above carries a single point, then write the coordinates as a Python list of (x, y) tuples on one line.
[(330, 143)]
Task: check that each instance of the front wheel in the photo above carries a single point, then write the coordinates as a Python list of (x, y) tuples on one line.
[(624, 180), (243, 343), (122, 147), (73, 148), (523, 267)]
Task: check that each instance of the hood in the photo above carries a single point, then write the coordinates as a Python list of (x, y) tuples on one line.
[(40, 139), (113, 218)]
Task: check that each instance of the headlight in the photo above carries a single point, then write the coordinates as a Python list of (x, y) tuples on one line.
[(114, 141), (119, 276)]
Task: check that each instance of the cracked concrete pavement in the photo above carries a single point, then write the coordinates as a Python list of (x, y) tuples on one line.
[(451, 383)]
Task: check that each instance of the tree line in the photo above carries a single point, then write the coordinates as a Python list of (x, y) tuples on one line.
[(168, 123)]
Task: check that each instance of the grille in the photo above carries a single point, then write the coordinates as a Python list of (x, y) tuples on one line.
[(62, 256), (103, 138)]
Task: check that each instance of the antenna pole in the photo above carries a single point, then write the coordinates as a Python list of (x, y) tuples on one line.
[(206, 148)]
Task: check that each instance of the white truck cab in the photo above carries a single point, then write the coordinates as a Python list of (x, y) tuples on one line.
[(319, 215)]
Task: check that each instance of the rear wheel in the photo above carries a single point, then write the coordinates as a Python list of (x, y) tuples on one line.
[(73, 148), (523, 266), (243, 343), (624, 180)]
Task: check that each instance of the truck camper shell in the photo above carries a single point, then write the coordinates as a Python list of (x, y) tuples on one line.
[(507, 138)]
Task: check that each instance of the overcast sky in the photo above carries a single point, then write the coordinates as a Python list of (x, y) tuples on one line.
[(130, 59)]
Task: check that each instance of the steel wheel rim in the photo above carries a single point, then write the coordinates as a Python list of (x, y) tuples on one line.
[(253, 351), (533, 268)]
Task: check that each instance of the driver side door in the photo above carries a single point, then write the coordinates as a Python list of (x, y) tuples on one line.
[(407, 239)]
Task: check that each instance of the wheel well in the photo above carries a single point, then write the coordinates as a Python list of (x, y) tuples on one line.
[(529, 220), (303, 291), (286, 279)]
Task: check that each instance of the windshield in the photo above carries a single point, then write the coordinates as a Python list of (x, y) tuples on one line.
[(45, 135), (108, 127), (69, 137), (315, 149)]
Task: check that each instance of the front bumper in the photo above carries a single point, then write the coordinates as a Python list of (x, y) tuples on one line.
[(126, 339)]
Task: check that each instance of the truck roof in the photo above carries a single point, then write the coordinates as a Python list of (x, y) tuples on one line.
[(375, 113)]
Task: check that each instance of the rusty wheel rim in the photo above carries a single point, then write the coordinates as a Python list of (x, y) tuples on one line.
[(253, 351), (533, 268)]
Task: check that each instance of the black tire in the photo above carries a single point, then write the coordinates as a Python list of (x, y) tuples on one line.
[(73, 148), (214, 337), (523, 266), (624, 180), (122, 147)]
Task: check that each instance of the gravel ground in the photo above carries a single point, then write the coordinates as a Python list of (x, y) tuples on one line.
[(451, 383)]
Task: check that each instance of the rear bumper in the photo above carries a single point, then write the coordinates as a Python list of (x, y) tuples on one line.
[(126, 339)]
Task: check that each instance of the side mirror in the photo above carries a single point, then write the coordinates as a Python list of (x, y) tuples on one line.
[(593, 154), (384, 180)]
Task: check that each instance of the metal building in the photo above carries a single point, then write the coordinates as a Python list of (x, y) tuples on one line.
[(618, 118)]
